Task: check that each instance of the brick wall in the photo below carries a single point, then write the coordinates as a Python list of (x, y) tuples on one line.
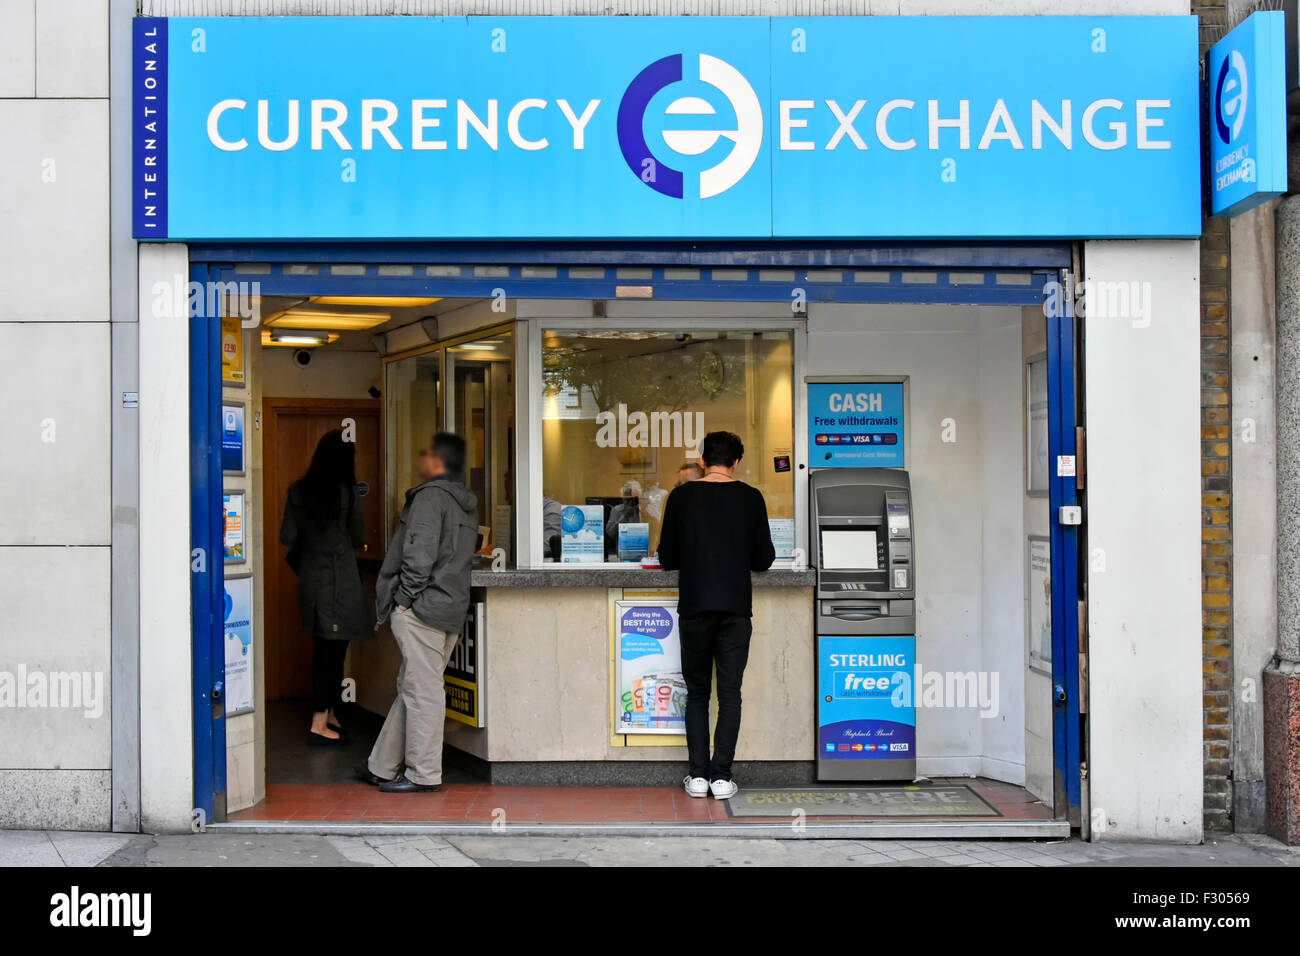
[(1216, 488)]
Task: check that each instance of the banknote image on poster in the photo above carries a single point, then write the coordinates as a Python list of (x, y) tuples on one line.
[(651, 693)]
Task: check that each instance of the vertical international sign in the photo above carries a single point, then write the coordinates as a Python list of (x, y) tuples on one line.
[(149, 127), (1246, 79), (395, 128)]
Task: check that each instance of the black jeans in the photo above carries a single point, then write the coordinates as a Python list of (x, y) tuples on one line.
[(327, 674), (709, 640)]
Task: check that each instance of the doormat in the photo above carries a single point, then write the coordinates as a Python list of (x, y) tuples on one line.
[(862, 801)]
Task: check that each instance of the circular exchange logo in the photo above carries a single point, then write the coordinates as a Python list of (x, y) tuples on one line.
[(746, 138), (1230, 97)]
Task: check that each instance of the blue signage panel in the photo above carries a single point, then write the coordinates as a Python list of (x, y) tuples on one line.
[(855, 425), (1246, 74), (986, 126), (663, 127), (232, 439), (865, 707)]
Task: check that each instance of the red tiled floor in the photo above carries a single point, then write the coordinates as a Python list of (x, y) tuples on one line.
[(482, 803)]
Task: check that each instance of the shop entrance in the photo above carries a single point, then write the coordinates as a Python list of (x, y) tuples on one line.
[(474, 359)]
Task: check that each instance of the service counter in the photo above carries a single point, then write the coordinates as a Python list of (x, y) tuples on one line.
[(547, 676)]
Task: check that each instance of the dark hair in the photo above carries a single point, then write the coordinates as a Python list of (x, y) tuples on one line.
[(449, 449), (333, 466), (722, 448)]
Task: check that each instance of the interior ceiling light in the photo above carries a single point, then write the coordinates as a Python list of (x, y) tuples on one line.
[(304, 339), (381, 302), (337, 321)]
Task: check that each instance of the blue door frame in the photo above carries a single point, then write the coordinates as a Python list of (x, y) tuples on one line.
[(1067, 727), (1039, 262), (207, 564)]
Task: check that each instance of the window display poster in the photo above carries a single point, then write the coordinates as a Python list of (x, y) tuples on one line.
[(855, 425), (239, 645), (232, 353), (1039, 619), (782, 530), (865, 705), (650, 689), (232, 439), (582, 534), (233, 508), (633, 540)]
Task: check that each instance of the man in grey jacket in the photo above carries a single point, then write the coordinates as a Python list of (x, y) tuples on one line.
[(424, 588)]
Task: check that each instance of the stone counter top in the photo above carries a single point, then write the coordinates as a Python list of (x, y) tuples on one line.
[(578, 577)]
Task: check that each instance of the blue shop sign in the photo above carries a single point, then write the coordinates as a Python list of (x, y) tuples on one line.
[(1246, 73), (665, 127)]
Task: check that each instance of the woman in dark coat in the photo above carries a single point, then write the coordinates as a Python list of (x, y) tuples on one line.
[(322, 527)]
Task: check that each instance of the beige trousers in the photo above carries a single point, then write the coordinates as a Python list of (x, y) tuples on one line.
[(412, 732)]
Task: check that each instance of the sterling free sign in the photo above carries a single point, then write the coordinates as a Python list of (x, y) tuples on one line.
[(666, 128)]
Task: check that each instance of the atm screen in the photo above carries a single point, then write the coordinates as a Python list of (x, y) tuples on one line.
[(849, 550)]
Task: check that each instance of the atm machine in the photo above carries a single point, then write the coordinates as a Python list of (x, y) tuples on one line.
[(865, 623)]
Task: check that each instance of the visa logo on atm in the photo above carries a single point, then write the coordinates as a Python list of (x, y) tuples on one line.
[(856, 402)]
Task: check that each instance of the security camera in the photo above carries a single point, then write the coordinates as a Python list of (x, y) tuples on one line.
[(301, 358)]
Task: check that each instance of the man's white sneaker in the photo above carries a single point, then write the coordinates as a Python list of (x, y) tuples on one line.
[(723, 789), (695, 786)]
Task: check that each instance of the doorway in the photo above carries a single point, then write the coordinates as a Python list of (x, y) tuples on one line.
[(292, 427), (420, 367)]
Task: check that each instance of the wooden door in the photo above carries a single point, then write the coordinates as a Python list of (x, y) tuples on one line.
[(291, 429)]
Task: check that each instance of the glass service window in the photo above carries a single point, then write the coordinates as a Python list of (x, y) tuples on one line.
[(482, 409), (413, 412), (624, 411)]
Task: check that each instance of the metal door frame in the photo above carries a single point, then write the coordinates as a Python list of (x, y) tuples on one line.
[(1062, 417), (207, 564)]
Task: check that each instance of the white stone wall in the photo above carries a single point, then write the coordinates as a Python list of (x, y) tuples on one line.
[(55, 362), (1142, 379)]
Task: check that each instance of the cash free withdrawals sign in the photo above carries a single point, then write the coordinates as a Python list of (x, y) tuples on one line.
[(855, 425), (251, 128)]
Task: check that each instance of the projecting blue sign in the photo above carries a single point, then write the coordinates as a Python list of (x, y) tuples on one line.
[(1246, 73), (855, 425), (664, 127)]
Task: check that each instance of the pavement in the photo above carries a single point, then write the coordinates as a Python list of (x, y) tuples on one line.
[(217, 848)]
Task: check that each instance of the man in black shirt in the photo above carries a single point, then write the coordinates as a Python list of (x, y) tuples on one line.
[(715, 532)]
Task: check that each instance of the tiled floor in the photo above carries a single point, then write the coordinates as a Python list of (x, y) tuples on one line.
[(485, 803), (316, 784)]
